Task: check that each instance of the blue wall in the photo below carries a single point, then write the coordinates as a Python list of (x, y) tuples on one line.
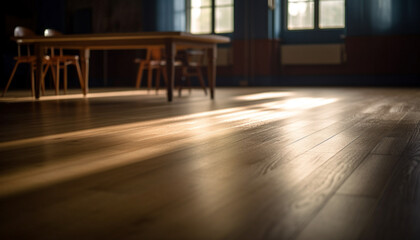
[(254, 20), (170, 15), (383, 17), (251, 20)]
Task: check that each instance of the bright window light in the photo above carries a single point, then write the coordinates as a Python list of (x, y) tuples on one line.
[(224, 16), (200, 22), (201, 16), (331, 13), (300, 14)]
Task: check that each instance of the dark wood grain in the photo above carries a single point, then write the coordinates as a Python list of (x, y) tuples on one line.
[(308, 163), (339, 221), (397, 215)]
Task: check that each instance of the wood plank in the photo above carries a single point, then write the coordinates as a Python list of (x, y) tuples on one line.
[(364, 186), (228, 169), (370, 177), (343, 217), (308, 197), (266, 212), (398, 212)]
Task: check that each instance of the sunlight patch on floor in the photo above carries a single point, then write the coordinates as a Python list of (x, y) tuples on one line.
[(78, 96), (262, 96), (174, 132)]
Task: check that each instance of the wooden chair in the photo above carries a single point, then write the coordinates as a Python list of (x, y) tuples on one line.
[(21, 32), (154, 61), (61, 61), (189, 61), (192, 62)]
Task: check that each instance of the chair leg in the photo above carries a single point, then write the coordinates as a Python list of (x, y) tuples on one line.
[(65, 78), (157, 79), (57, 82), (79, 73), (183, 78), (11, 77), (53, 73), (149, 78), (200, 77), (188, 80), (139, 75), (32, 79), (44, 73)]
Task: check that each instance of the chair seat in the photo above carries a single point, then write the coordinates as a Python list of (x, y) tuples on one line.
[(25, 58), (176, 64), (65, 58), (194, 64), (28, 59), (157, 62)]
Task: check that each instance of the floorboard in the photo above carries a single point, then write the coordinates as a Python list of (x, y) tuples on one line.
[(255, 163), (397, 214)]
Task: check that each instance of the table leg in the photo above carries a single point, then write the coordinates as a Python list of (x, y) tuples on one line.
[(211, 69), (170, 68), (84, 59), (39, 53)]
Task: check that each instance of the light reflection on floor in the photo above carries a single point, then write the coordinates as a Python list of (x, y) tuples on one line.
[(18, 98), (264, 95), (184, 130)]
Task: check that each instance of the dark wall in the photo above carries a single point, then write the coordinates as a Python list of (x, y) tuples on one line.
[(382, 40), (383, 17), (19, 12), (75, 17), (381, 37)]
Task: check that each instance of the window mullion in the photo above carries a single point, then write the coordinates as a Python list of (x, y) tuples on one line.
[(316, 15), (213, 16), (188, 14)]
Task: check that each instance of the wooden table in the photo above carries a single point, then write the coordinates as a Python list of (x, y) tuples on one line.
[(171, 41)]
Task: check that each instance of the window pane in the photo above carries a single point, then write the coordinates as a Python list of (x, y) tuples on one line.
[(224, 2), (331, 14), (200, 3), (224, 19), (300, 14), (200, 20)]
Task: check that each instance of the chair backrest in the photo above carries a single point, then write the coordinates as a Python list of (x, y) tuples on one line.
[(20, 31), (192, 56), (52, 33), (154, 54), (23, 32)]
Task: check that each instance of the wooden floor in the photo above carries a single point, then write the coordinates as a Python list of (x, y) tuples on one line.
[(255, 163)]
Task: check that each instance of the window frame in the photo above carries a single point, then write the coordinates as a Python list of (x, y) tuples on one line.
[(311, 36), (316, 18), (213, 18)]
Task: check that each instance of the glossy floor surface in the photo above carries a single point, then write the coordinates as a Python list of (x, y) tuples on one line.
[(255, 163)]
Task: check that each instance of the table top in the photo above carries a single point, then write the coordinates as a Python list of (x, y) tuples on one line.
[(123, 39)]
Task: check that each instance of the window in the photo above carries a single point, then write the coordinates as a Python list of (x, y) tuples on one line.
[(315, 14), (300, 14), (331, 13), (210, 16)]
